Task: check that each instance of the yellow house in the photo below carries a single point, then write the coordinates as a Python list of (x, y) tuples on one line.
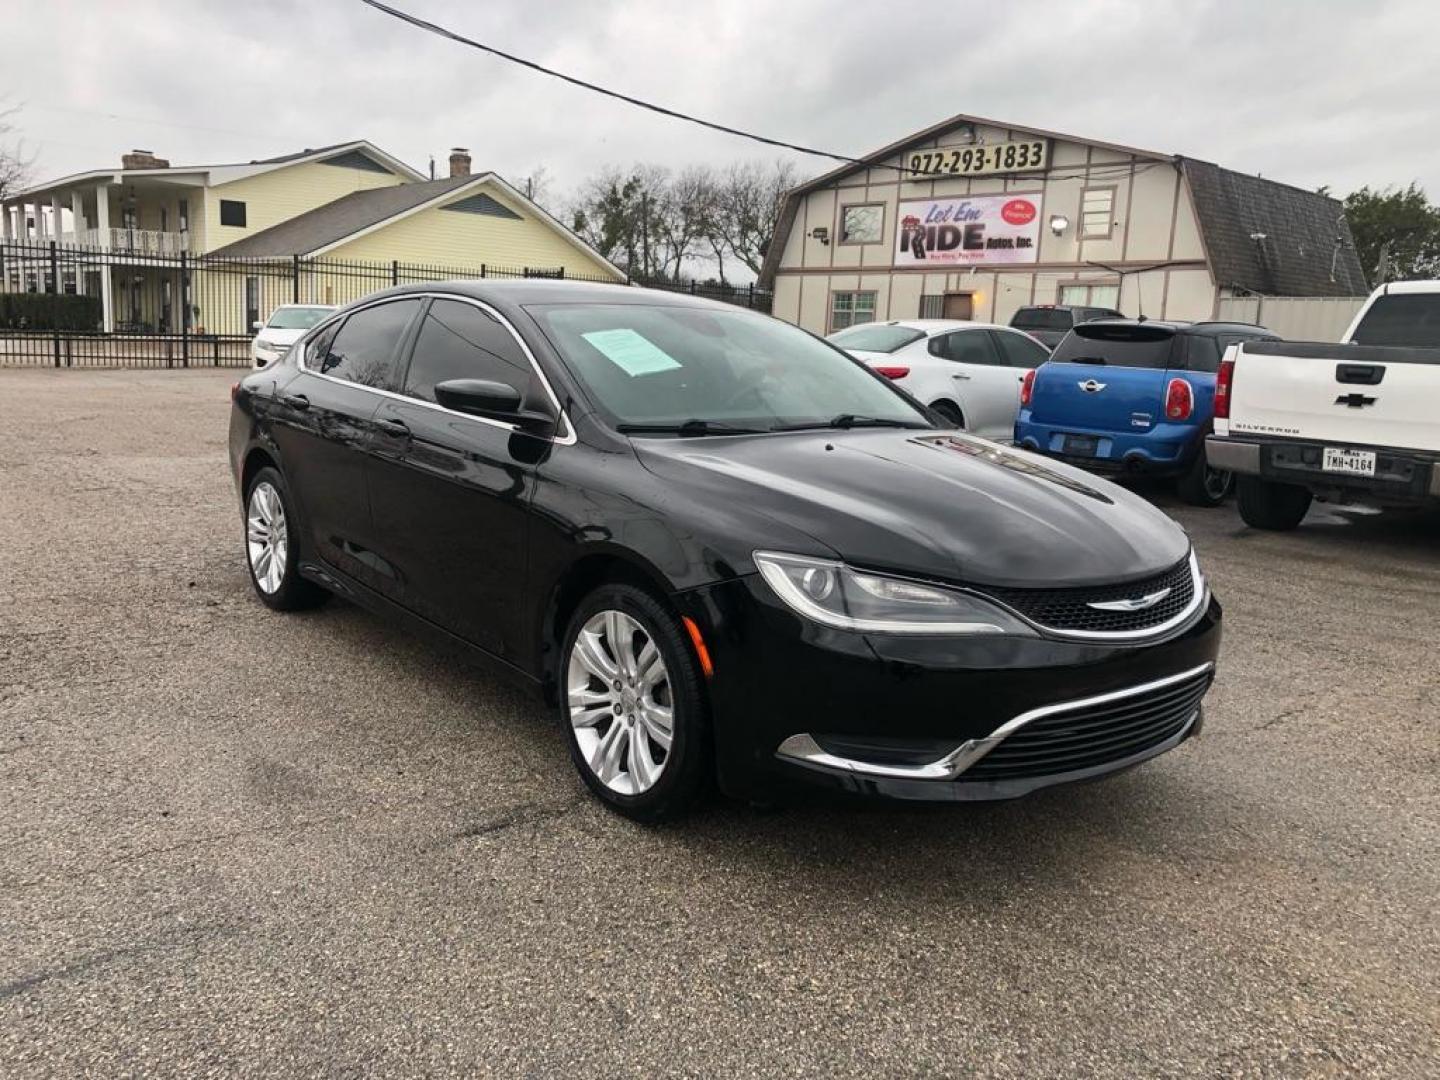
[(232, 238)]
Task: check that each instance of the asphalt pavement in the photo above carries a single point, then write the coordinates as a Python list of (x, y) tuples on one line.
[(234, 842)]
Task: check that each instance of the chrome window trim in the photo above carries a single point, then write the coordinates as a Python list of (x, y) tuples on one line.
[(804, 750), (563, 420)]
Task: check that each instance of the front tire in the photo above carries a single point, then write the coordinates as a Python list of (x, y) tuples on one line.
[(272, 546), (1267, 505), (1202, 485), (632, 704)]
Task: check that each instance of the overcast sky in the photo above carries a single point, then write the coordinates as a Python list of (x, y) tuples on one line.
[(1318, 92)]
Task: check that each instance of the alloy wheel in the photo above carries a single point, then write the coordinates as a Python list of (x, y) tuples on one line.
[(1217, 482), (267, 540), (618, 692)]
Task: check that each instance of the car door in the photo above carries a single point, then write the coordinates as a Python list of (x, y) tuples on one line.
[(323, 423), (450, 493), (1020, 353), (981, 382)]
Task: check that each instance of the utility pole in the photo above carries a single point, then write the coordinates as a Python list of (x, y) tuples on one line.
[(645, 234)]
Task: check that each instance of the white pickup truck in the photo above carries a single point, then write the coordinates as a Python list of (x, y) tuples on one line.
[(1357, 422)]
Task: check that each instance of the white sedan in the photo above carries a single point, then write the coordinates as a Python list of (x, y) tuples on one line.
[(286, 325), (968, 372)]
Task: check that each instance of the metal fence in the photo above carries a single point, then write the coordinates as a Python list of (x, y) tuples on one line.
[(179, 310)]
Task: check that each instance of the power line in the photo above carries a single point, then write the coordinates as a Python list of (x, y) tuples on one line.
[(433, 28), (1098, 171)]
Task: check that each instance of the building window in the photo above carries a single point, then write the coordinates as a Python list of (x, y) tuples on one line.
[(252, 304), (932, 306), (1102, 296), (851, 309), (232, 212), (862, 224), (1097, 213)]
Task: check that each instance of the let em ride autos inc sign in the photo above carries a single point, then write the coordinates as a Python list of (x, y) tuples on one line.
[(968, 230)]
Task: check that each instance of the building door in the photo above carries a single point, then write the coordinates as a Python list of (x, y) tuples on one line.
[(959, 305)]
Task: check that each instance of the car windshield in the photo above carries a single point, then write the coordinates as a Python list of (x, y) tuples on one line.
[(664, 364), (1121, 345), (875, 337), (296, 318), (1036, 318)]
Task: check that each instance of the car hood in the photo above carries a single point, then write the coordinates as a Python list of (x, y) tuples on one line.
[(930, 504), (279, 337)]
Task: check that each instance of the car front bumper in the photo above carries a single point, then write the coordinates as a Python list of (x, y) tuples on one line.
[(936, 718)]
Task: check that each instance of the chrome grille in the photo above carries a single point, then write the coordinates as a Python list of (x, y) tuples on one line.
[(1088, 737), (1068, 610)]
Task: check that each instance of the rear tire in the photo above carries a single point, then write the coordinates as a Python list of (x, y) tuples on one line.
[(1200, 485), (1267, 505), (633, 706), (272, 545), (950, 413)]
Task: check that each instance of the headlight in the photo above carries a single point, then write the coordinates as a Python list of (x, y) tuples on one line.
[(837, 595)]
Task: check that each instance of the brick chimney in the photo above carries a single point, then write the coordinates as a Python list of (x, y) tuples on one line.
[(142, 159), (459, 161)]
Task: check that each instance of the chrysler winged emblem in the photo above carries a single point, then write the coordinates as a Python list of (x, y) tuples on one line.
[(1090, 386), (1134, 603)]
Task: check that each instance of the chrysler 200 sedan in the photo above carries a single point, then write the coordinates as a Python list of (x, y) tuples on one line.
[(720, 547)]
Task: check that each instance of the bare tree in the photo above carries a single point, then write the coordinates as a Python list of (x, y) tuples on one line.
[(15, 164), (536, 186), (749, 200)]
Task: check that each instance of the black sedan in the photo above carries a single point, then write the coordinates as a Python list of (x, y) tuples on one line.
[(719, 546)]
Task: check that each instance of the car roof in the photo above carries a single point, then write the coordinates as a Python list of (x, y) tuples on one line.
[(931, 327), (520, 292), (1206, 329)]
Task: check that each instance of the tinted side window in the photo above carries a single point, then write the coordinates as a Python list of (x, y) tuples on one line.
[(1020, 352), (1202, 353), (461, 341), (363, 351), (318, 346), (970, 347)]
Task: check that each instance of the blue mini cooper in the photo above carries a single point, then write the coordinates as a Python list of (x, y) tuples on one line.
[(1133, 396)]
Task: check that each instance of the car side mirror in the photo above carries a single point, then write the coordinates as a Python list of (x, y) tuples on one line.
[(257, 325), (492, 400)]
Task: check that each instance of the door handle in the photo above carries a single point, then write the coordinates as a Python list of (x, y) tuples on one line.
[(962, 377), (295, 401), (395, 428)]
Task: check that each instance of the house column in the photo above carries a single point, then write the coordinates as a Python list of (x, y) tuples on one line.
[(39, 219), (57, 223), (77, 211), (7, 232), (102, 223)]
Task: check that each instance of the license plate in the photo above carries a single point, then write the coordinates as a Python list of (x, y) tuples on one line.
[(1082, 445), (1345, 460)]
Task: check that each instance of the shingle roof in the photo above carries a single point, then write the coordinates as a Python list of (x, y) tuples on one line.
[(336, 220), (1305, 235)]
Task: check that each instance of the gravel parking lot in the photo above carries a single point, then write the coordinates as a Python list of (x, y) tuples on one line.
[(237, 842)]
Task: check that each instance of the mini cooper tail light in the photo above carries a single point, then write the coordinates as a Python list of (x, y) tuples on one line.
[(1027, 388), (1179, 400), (1224, 382), (893, 371)]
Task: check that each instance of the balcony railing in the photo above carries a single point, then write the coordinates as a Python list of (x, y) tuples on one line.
[(139, 241)]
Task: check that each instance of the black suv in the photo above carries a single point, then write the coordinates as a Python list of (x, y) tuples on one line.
[(1049, 323)]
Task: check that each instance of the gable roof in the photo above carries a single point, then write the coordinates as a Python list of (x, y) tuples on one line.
[(348, 217), (335, 221), (1271, 238), (226, 173)]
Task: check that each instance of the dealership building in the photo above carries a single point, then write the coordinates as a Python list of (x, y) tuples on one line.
[(974, 218)]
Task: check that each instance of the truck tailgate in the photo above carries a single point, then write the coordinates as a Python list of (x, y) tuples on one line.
[(1356, 394)]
